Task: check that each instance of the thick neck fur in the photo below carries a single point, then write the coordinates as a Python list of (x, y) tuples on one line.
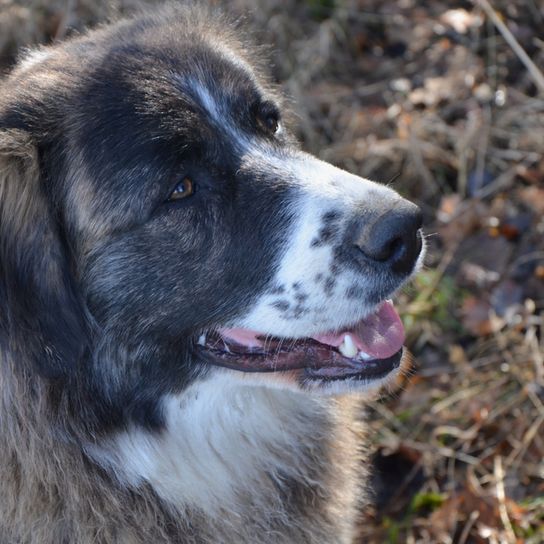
[(234, 461)]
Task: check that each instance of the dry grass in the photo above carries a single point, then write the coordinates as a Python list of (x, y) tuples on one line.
[(439, 92)]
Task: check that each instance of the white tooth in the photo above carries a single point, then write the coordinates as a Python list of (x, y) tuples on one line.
[(347, 348), (364, 356), (202, 339)]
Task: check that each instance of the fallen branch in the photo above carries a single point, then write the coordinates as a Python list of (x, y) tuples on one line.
[(535, 73)]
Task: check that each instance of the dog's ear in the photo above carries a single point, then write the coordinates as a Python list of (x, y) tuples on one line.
[(41, 312)]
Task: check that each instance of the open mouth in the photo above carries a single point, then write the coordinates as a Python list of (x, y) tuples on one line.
[(369, 350)]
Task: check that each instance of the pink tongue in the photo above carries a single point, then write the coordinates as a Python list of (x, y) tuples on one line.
[(380, 335)]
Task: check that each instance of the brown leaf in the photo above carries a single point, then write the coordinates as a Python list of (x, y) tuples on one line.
[(533, 197), (475, 316)]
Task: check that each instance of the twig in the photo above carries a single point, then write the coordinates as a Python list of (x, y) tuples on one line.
[(535, 73), (462, 394), (531, 340), (483, 146), (501, 183), (516, 456), (468, 526), (419, 163), (501, 497)]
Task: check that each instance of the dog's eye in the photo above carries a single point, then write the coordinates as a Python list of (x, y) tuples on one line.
[(269, 118), (183, 189), (272, 123)]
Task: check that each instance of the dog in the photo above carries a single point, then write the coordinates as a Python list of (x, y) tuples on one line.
[(193, 309)]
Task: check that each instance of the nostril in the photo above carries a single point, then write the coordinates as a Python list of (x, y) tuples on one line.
[(386, 251), (395, 248)]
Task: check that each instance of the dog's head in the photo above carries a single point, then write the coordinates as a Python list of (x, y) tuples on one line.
[(159, 224)]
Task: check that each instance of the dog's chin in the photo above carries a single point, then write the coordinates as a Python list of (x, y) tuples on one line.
[(361, 357)]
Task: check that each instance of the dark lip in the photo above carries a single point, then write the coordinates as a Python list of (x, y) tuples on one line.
[(317, 361), (375, 369)]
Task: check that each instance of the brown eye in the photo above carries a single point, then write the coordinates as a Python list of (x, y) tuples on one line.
[(268, 117), (272, 123), (183, 189)]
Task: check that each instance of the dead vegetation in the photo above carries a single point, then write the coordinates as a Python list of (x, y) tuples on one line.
[(441, 94)]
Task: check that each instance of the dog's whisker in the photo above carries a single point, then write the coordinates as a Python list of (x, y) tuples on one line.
[(393, 179)]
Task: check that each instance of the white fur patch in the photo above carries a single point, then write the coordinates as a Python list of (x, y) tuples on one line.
[(222, 437), (219, 114), (207, 101), (34, 57), (325, 188)]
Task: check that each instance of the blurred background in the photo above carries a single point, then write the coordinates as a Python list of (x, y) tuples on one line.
[(444, 101)]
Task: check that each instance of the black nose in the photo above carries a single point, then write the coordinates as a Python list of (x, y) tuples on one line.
[(393, 238)]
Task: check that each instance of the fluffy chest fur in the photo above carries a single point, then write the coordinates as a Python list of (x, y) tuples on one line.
[(232, 462)]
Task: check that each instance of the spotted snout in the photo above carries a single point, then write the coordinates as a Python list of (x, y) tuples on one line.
[(350, 245)]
